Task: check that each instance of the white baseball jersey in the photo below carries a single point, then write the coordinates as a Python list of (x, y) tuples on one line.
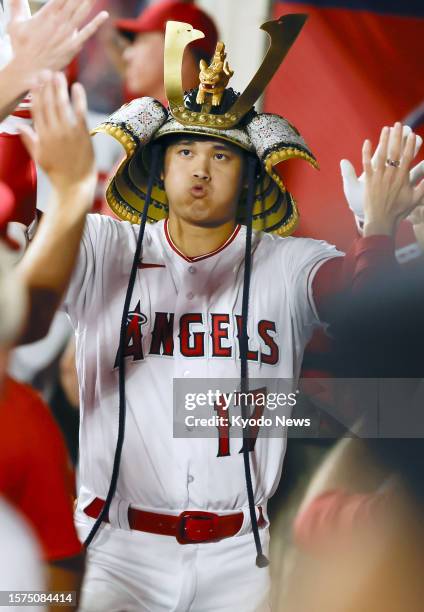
[(184, 321)]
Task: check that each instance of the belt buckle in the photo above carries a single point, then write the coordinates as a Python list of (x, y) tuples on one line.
[(196, 515)]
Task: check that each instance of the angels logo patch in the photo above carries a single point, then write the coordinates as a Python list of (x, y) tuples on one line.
[(134, 337)]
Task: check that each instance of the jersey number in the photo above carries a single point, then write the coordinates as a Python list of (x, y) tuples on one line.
[(252, 428)]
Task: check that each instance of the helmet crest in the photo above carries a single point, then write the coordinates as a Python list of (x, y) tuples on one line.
[(214, 110)]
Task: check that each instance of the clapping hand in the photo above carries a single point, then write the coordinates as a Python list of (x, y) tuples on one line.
[(389, 194), (52, 37), (354, 186), (60, 142)]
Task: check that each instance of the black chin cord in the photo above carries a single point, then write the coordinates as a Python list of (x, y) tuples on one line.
[(261, 560), (121, 360)]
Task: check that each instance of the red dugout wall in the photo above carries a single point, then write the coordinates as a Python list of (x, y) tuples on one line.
[(351, 71)]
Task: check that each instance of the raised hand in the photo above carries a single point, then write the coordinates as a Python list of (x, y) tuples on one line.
[(60, 142), (61, 145), (354, 186), (52, 37), (47, 41), (389, 195)]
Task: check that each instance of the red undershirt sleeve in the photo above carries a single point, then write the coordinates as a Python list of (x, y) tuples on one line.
[(366, 260)]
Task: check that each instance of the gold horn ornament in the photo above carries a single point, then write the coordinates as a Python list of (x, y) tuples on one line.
[(178, 35), (282, 32)]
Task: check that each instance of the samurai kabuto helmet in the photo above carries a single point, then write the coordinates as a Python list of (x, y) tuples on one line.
[(213, 110)]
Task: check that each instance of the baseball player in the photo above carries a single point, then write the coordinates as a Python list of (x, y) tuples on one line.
[(172, 528), (141, 60)]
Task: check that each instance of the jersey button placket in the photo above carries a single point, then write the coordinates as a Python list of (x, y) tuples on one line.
[(191, 271), (189, 295)]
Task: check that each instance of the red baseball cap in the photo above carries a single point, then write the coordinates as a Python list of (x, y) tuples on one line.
[(154, 18), (7, 210), (18, 172)]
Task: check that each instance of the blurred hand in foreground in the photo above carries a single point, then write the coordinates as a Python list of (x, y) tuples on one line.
[(52, 37), (60, 142), (49, 40)]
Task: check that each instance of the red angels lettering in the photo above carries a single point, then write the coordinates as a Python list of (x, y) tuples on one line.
[(272, 357), (192, 344), (251, 355), (218, 333), (162, 334), (133, 341)]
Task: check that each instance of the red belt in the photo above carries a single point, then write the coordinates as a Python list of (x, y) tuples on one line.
[(190, 527)]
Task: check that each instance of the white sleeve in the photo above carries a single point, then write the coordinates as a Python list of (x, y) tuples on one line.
[(302, 259), (81, 286), (105, 258)]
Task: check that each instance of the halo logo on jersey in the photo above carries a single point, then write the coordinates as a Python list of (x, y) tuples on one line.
[(134, 337)]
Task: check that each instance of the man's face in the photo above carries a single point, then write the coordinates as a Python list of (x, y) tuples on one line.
[(144, 63), (203, 180)]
